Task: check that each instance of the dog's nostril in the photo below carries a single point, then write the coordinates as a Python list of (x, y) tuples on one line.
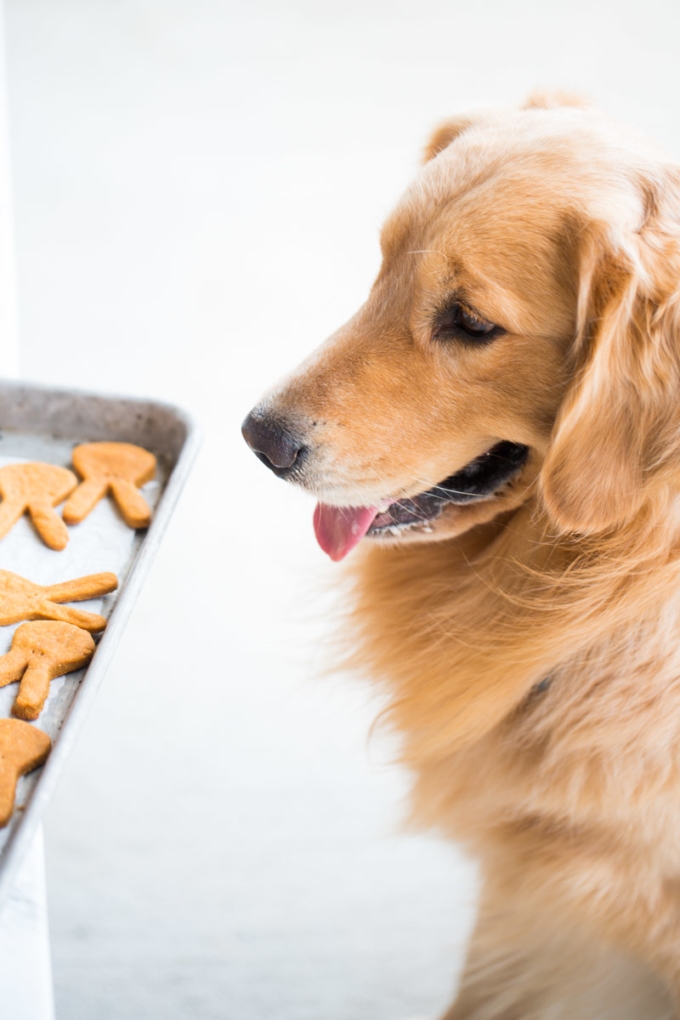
[(274, 445)]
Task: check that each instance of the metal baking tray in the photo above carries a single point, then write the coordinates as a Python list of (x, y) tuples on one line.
[(43, 424)]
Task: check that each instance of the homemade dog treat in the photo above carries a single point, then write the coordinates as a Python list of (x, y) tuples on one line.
[(118, 468), (21, 599), (40, 652), (35, 489), (22, 748)]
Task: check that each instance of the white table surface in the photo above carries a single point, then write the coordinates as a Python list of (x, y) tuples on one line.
[(25, 969)]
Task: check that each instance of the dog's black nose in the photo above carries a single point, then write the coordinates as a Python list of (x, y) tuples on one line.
[(276, 446)]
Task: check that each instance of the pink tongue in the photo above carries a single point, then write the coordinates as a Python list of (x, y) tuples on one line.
[(339, 528)]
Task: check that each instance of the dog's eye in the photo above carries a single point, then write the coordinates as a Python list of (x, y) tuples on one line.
[(460, 323)]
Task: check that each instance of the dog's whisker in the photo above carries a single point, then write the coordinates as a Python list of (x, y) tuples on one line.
[(427, 251)]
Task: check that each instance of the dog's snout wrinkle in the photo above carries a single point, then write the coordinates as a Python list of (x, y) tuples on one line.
[(274, 444)]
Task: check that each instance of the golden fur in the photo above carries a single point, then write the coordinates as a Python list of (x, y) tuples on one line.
[(565, 229)]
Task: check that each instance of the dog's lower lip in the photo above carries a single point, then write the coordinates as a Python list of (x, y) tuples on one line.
[(477, 480)]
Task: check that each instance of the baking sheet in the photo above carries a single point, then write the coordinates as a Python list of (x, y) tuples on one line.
[(102, 542)]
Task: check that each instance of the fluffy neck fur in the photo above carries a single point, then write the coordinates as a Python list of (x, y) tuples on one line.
[(461, 631)]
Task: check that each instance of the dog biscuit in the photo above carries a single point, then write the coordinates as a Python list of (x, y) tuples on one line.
[(40, 652), (35, 489), (21, 599), (118, 468), (22, 748)]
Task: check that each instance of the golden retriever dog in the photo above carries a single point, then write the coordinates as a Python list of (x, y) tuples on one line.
[(498, 431)]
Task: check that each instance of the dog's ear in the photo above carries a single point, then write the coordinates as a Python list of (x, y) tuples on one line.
[(445, 134), (552, 99), (453, 128), (617, 435)]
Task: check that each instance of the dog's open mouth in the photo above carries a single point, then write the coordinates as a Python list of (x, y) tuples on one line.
[(339, 529)]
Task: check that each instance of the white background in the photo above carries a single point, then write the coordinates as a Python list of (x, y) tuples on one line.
[(198, 190)]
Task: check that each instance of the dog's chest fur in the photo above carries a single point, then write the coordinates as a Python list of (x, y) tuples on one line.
[(595, 751), (593, 754)]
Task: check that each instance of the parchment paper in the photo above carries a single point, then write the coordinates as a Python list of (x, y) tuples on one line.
[(102, 542)]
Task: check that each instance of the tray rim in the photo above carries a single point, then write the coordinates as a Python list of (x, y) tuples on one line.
[(20, 840), (105, 396)]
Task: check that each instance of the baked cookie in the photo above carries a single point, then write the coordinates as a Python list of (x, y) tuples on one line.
[(118, 468), (40, 652), (23, 600), (22, 748), (35, 489)]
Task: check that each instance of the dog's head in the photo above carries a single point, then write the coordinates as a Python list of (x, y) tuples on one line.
[(520, 340)]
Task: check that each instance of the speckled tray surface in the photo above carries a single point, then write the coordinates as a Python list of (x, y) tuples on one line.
[(44, 425)]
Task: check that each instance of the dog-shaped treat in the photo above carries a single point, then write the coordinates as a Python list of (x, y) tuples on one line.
[(498, 431)]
